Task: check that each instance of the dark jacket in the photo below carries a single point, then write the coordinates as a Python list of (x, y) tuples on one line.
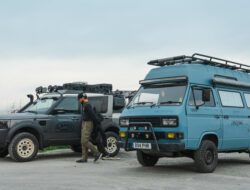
[(88, 113)]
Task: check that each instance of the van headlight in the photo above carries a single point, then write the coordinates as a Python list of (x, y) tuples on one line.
[(170, 122), (124, 122)]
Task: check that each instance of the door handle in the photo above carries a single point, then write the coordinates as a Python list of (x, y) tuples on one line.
[(217, 116), (226, 116)]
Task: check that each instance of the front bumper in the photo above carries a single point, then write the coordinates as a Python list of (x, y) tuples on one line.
[(164, 147)]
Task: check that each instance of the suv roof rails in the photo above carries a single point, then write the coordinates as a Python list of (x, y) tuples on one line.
[(201, 59)]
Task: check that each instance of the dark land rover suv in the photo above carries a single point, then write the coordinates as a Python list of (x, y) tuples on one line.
[(55, 119)]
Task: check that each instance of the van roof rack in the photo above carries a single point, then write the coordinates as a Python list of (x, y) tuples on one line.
[(201, 59)]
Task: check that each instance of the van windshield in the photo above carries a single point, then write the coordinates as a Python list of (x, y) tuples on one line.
[(159, 95)]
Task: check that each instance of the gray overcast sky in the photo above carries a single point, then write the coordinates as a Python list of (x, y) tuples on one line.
[(55, 41)]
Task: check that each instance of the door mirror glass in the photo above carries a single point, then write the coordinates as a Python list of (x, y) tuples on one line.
[(206, 95)]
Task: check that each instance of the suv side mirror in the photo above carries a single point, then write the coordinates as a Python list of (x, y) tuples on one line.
[(206, 95)]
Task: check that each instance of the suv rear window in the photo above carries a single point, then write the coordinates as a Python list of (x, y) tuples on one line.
[(100, 103)]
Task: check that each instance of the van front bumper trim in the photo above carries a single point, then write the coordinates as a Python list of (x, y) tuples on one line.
[(163, 147)]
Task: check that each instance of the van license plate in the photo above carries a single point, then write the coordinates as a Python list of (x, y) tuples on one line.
[(142, 146)]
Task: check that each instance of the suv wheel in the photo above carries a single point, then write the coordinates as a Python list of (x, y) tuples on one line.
[(3, 152), (206, 157), (146, 159), (112, 149), (23, 147)]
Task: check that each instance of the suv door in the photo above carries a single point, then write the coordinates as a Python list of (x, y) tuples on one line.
[(204, 118), (65, 127)]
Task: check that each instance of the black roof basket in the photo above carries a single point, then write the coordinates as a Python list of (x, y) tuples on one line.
[(201, 59)]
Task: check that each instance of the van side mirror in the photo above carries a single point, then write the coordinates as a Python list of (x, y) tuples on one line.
[(206, 95)]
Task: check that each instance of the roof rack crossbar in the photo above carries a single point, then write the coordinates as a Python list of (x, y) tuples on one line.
[(202, 59)]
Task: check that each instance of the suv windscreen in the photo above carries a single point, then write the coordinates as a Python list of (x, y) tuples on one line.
[(159, 95), (41, 105)]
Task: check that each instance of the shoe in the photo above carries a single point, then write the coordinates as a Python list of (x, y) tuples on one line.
[(98, 156), (82, 161)]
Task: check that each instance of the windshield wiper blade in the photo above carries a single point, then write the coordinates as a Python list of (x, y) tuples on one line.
[(142, 103), (31, 112), (170, 102)]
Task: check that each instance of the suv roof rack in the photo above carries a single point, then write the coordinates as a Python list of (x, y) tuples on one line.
[(201, 59)]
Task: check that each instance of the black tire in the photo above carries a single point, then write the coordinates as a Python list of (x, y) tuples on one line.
[(23, 147), (3, 152), (112, 148), (206, 157), (146, 159), (76, 148)]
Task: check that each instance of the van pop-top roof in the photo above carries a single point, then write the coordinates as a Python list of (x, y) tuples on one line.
[(199, 68), (201, 59)]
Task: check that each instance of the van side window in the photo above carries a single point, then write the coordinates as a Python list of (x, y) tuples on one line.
[(247, 97), (198, 98), (230, 99)]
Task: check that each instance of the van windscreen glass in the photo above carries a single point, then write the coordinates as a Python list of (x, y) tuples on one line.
[(159, 95)]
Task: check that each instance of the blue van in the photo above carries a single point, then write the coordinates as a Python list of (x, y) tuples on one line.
[(192, 106)]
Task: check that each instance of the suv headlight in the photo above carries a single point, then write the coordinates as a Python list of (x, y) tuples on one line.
[(124, 122), (170, 122), (4, 124)]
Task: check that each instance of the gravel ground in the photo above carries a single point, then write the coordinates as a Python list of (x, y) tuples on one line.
[(58, 170)]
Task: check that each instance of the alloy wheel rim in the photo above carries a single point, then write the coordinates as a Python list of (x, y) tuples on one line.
[(111, 145), (25, 148)]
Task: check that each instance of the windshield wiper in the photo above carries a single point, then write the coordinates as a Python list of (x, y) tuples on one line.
[(31, 112), (170, 102), (143, 103)]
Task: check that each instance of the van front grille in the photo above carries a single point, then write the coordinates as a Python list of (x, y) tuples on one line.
[(155, 121)]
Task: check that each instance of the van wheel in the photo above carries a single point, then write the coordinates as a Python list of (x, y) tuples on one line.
[(3, 152), (146, 159), (206, 157), (76, 148), (112, 149), (23, 147)]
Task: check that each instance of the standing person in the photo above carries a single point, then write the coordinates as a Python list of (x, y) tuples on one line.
[(88, 119)]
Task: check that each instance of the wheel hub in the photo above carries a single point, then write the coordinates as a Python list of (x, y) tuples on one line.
[(111, 145), (25, 148), (209, 157)]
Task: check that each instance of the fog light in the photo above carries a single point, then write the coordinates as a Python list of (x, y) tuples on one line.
[(122, 134), (147, 136), (132, 135), (171, 135)]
